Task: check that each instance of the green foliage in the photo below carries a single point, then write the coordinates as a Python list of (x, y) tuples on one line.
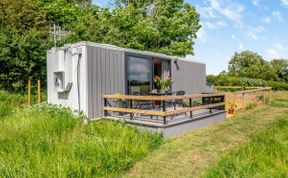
[(278, 85), (46, 141), (226, 80), (280, 67), (10, 102), (251, 65), (279, 102), (162, 26), (265, 155), (251, 106)]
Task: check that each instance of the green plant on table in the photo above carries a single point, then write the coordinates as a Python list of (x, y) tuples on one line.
[(163, 84)]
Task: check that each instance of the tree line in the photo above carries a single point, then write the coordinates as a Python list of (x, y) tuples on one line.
[(165, 26), (249, 68)]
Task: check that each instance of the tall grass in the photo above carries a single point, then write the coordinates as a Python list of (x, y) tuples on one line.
[(45, 141), (266, 155), (10, 101)]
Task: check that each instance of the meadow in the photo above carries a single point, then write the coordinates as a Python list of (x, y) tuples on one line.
[(46, 141)]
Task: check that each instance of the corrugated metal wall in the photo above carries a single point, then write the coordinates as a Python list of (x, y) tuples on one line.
[(106, 75), (190, 76)]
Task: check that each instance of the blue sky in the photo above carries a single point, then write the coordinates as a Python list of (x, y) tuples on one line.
[(230, 26)]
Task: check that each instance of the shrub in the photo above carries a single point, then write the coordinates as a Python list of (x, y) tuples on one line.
[(278, 85), (225, 80)]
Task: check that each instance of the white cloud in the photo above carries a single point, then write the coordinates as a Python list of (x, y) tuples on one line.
[(277, 15), (256, 3), (241, 46), (218, 24), (278, 51), (232, 11), (254, 32), (206, 12), (253, 36), (285, 3), (202, 35), (267, 20), (259, 29), (233, 37)]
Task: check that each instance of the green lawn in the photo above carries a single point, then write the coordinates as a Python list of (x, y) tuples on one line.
[(252, 143), (44, 141)]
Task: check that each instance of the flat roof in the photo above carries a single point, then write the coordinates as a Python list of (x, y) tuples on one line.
[(154, 54)]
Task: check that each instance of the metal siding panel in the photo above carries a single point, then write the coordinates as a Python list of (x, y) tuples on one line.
[(100, 80), (113, 72), (106, 76), (190, 77), (94, 80), (89, 79), (117, 73)]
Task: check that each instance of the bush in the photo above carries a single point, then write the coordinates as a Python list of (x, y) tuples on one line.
[(278, 85), (226, 80)]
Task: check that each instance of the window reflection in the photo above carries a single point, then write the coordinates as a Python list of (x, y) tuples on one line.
[(139, 75)]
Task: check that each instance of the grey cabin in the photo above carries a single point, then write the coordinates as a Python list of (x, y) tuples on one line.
[(78, 75)]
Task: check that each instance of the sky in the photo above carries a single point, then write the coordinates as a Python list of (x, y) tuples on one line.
[(230, 26)]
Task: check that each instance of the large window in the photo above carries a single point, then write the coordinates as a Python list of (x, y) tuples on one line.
[(139, 74)]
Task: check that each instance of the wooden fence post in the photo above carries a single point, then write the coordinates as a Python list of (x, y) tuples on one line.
[(243, 100), (39, 93), (29, 92), (270, 94)]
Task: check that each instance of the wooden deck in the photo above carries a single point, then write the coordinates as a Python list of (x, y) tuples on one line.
[(166, 115)]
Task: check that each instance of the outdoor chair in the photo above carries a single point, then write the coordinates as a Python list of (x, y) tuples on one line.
[(179, 102), (139, 104)]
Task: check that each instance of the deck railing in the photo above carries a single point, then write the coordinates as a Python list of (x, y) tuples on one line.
[(209, 101)]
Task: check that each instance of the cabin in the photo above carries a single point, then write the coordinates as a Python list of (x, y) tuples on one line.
[(81, 75)]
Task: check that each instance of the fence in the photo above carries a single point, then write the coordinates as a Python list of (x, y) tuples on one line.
[(246, 97)]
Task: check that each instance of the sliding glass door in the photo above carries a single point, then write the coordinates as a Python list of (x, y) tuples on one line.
[(139, 75)]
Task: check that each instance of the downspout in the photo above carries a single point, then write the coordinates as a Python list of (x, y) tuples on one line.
[(79, 53)]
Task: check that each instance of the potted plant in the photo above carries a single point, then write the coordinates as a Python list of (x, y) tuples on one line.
[(163, 84), (231, 107)]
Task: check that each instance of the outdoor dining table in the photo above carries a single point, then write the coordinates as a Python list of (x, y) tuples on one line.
[(162, 104)]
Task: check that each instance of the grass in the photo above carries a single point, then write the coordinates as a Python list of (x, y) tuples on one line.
[(265, 155), (45, 141), (203, 152)]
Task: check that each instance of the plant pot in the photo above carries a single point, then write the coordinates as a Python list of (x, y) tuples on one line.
[(231, 111)]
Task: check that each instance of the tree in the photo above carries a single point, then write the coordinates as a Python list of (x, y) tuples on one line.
[(24, 39), (280, 67), (251, 65), (165, 26)]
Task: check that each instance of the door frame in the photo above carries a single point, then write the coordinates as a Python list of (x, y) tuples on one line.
[(148, 57)]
